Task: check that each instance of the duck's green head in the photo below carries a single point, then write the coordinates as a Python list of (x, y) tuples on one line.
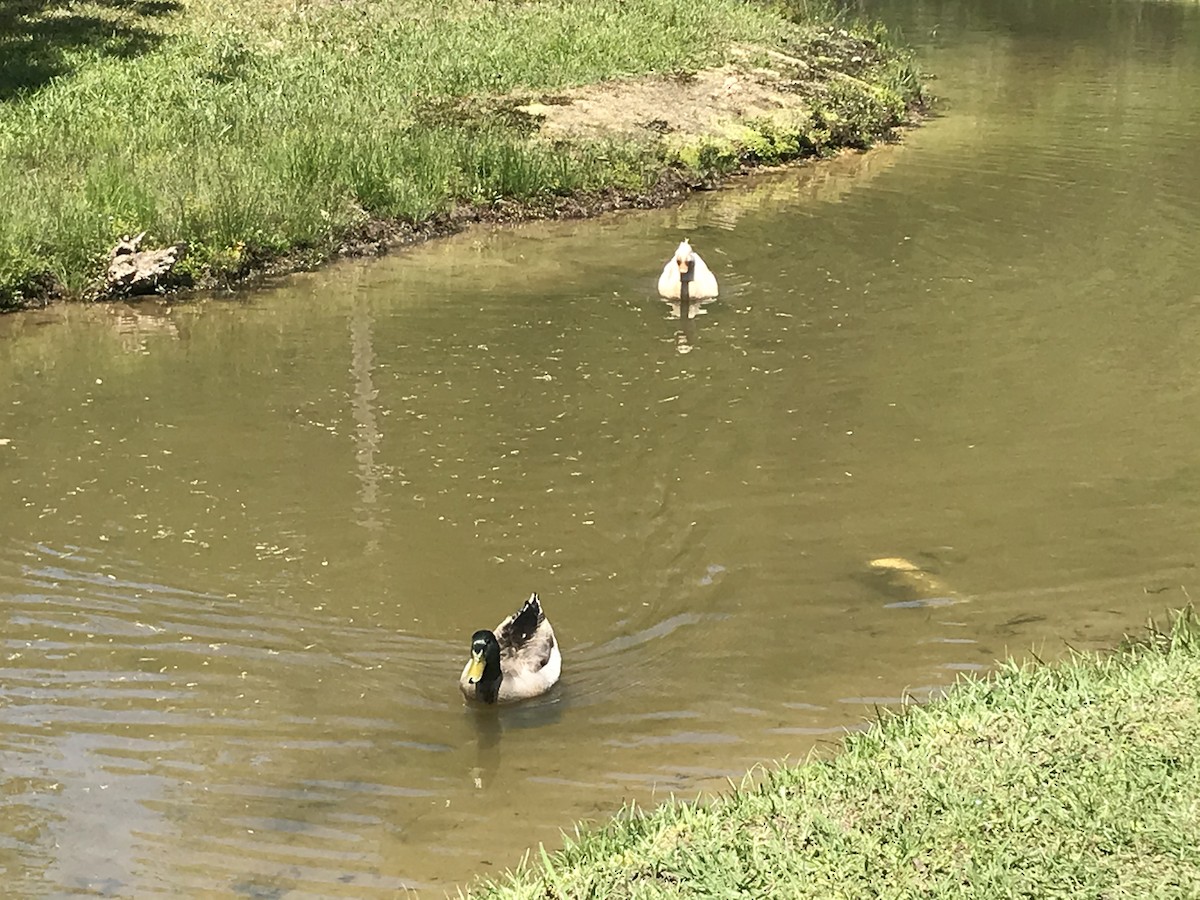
[(485, 658)]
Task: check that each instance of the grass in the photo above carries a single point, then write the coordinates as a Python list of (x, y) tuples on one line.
[(252, 129), (1075, 780)]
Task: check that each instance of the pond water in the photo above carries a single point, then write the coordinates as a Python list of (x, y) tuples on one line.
[(246, 540)]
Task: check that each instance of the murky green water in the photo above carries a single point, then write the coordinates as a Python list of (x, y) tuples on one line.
[(246, 541)]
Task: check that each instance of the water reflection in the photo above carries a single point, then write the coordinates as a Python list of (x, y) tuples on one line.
[(367, 434), (135, 324)]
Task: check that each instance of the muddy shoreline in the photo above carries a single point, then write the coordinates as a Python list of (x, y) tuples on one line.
[(381, 236), (689, 132)]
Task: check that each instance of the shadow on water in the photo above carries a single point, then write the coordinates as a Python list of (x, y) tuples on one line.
[(39, 37)]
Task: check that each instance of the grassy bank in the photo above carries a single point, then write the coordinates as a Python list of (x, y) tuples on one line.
[(1076, 780), (251, 130)]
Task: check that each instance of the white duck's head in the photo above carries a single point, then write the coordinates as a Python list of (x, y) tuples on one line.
[(684, 257)]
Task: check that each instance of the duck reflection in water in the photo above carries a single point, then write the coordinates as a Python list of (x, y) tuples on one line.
[(489, 724), (518, 661)]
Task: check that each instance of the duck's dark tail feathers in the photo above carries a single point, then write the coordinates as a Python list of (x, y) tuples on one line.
[(521, 625)]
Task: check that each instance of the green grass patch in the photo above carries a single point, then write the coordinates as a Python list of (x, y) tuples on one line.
[(1075, 780), (251, 129)]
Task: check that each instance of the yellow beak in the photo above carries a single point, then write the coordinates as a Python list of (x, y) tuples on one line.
[(475, 668)]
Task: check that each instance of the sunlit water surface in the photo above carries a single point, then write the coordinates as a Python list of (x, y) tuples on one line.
[(246, 540)]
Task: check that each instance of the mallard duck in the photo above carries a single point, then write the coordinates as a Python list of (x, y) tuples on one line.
[(686, 277), (519, 660)]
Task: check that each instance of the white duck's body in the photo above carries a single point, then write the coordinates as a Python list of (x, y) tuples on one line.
[(686, 271)]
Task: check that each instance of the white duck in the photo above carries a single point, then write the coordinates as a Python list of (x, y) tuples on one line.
[(686, 277)]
